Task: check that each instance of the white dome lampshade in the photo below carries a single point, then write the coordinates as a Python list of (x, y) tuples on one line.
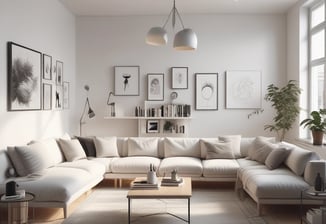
[(185, 39), (156, 36)]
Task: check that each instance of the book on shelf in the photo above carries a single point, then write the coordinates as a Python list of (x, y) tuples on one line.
[(143, 184), (171, 182), (20, 194)]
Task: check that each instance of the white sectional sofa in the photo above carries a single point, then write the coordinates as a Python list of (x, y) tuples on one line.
[(59, 171)]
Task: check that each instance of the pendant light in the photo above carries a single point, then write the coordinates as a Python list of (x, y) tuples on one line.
[(185, 39)]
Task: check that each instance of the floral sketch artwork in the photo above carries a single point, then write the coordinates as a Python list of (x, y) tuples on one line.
[(206, 91), (179, 77), (243, 89), (24, 78)]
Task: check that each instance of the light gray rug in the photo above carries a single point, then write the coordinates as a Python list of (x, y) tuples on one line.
[(108, 205)]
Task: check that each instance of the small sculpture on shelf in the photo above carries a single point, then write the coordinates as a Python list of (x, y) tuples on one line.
[(111, 105)]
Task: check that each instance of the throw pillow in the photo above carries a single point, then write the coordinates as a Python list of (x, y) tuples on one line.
[(88, 145), (276, 158), (235, 140), (106, 147), (182, 147), (261, 149), (143, 147), (217, 150), (16, 161), (72, 149), (53, 148), (34, 158)]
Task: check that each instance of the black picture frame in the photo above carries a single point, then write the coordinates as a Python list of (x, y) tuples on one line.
[(47, 67), (155, 86), (47, 96), (152, 126), (58, 102), (24, 78), (179, 77), (59, 73), (126, 80), (206, 91), (66, 100)]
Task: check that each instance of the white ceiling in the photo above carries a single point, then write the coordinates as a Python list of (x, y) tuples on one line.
[(163, 7)]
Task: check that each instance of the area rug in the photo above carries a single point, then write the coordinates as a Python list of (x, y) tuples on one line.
[(109, 205)]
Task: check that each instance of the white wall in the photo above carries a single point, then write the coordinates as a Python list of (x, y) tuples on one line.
[(46, 26), (225, 42)]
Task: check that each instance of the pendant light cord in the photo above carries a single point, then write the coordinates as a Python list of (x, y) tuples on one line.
[(174, 11)]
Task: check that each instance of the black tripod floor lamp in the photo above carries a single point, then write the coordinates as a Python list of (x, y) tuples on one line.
[(90, 112)]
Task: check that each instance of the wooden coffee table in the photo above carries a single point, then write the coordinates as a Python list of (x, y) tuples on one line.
[(183, 191)]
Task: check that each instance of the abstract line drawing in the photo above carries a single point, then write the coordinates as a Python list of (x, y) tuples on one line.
[(47, 67), (24, 78), (243, 89), (126, 80), (59, 72), (179, 77), (206, 91), (155, 86)]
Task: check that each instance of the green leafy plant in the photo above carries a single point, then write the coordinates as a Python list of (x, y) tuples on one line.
[(317, 121), (285, 102)]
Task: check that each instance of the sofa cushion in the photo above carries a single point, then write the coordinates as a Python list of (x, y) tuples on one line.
[(134, 164), (220, 168), (106, 147), (182, 147), (245, 145), (52, 146), (276, 186), (246, 162), (32, 158), (93, 167), (215, 149), (143, 147), (298, 158), (72, 149), (185, 166), (276, 157), (106, 161), (88, 145), (235, 140)]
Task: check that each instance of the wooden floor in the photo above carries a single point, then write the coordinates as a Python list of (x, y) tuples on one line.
[(283, 214)]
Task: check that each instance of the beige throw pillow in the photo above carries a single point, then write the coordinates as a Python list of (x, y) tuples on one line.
[(106, 147), (235, 140), (215, 149), (261, 149), (143, 147), (182, 147), (72, 149)]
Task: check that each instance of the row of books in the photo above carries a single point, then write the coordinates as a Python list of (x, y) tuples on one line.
[(143, 184), (168, 110)]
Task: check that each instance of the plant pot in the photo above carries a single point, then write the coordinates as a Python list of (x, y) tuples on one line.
[(317, 137)]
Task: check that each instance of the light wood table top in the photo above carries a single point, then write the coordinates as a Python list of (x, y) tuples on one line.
[(182, 191)]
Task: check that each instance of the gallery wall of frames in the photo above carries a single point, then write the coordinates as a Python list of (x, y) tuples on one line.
[(35, 80)]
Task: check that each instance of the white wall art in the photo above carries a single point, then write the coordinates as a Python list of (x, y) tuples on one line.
[(155, 86), (243, 89), (206, 91), (179, 77), (126, 80)]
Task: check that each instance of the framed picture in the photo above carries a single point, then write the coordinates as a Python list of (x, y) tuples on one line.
[(152, 126), (243, 90), (179, 76), (126, 80), (58, 97), (155, 86), (65, 95), (59, 73), (47, 96), (24, 78), (206, 91), (47, 67)]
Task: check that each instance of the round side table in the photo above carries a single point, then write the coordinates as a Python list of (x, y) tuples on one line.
[(18, 209)]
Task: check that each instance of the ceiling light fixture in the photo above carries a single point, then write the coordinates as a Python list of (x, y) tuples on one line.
[(184, 40)]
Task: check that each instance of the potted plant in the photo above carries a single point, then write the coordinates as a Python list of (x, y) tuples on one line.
[(285, 101), (317, 125)]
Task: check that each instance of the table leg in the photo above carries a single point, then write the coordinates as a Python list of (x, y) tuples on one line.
[(129, 207), (188, 210)]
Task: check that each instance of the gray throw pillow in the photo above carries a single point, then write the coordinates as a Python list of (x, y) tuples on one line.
[(276, 158), (72, 149), (88, 145), (215, 149), (260, 150)]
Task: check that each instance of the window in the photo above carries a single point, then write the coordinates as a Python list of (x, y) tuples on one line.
[(317, 28)]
